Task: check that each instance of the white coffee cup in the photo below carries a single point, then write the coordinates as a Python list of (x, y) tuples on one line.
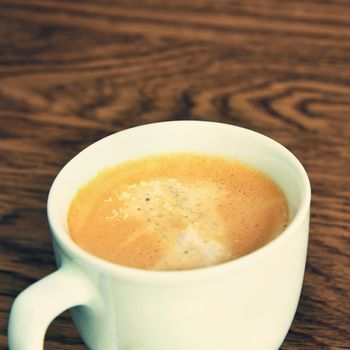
[(245, 304)]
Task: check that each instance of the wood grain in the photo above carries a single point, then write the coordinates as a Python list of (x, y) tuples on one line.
[(72, 72)]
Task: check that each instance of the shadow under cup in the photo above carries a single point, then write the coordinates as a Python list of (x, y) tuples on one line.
[(248, 303)]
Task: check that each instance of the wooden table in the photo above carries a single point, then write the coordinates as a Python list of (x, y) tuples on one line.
[(72, 72)]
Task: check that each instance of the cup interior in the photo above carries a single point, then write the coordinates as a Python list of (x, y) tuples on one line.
[(208, 138)]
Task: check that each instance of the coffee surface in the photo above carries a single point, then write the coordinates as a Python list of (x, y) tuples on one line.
[(176, 212)]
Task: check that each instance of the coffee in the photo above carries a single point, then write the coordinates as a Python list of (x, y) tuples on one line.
[(177, 211)]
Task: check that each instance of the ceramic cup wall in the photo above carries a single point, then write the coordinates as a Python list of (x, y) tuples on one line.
[(246, 304)]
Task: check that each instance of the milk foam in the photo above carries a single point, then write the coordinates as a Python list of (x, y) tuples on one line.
[(181, 215)]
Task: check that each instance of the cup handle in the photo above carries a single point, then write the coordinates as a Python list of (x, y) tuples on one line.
[(35, 308)]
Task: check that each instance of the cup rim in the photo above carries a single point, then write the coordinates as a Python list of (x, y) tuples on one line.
[(67, 244)]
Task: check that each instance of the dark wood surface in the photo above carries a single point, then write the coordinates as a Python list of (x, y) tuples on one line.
[(72, 72)]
